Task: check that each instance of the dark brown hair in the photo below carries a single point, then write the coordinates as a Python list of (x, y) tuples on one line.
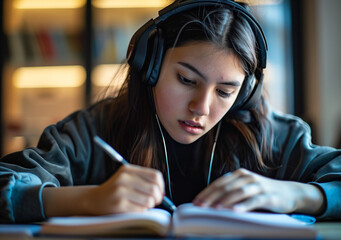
[(131, 127)]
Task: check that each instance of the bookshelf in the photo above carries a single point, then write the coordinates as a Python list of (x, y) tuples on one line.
[(60, 56), (43, 76), (114, 23)]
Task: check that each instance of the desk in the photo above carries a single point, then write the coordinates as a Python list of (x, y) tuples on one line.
[(327, 231)]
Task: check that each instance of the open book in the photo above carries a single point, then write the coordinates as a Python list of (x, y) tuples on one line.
[(187, 220)]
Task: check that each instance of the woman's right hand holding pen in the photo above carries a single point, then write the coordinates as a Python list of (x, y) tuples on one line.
[(131, 189)]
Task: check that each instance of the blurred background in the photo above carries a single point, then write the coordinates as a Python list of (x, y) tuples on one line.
[(58, 56)]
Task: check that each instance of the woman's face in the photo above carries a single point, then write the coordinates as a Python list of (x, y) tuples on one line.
[(198, 84)]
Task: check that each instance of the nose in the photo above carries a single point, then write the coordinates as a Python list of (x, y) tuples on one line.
[(200, 103)]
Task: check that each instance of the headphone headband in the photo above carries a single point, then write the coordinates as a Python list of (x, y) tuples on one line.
[(183, 5), (137, 50)]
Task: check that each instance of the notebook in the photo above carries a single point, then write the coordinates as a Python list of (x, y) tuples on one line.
[(188, 220)]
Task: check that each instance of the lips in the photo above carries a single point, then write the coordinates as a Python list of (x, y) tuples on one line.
[(192, 124), (191, 127)]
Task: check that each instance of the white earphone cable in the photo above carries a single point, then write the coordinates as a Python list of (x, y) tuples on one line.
[(166, 157), (212, 154)]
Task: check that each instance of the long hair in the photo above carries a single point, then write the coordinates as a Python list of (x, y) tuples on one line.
[(131, 127)]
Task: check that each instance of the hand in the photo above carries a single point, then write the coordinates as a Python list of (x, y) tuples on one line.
[(243, 190), (131, 189)]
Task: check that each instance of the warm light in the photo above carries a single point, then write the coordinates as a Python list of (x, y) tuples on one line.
[(46, 4), (130, 3), (159, 3), (260, 2), (49, 77), (112, 75)]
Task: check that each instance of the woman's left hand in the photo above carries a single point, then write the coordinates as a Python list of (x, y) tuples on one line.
[(243, 190)]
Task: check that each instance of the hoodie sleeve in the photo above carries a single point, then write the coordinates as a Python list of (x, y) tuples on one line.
[(302, 161), (64, 156)]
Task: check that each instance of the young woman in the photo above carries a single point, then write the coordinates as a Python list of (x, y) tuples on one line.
[(191, 120)]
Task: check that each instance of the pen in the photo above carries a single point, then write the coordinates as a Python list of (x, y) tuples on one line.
[(166, 202)]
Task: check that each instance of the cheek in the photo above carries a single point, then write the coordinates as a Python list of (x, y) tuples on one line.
[(167, 100), (164, 103), (219, 112)]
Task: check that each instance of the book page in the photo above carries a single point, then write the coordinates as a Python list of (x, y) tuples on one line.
[(153, 222), (190, 220), (275, 219)]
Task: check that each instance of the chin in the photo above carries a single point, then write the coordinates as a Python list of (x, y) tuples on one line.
[(186, 139)]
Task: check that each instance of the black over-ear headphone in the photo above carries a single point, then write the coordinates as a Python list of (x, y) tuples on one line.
[(149, 38)]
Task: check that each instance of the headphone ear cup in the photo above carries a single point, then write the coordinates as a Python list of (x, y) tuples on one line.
[(137, 49), (249, 94), (244, 93), (254, 95), (152, 66)]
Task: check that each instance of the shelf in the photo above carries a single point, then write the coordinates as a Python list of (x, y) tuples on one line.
[(37, 97), (43, 78), (47, 75), (51, 4), (68, 19)]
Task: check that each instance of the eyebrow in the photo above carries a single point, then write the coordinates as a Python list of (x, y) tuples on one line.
[(193, 69)]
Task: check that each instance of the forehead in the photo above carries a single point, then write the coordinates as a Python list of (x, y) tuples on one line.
[(207, 57)]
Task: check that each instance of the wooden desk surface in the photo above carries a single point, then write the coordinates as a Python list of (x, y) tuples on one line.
[(327, 230)]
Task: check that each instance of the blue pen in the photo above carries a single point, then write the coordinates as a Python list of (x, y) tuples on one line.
[(166, 202)]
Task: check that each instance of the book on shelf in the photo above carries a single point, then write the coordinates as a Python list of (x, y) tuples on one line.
[(44, 46), (16, 50), (187, 220)]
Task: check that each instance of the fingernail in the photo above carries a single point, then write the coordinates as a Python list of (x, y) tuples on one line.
[(197, 202), (239, 208), (217, 205), (200, 203)]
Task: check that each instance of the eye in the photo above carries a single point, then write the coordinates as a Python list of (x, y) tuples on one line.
[(224, 94), (185, 81)]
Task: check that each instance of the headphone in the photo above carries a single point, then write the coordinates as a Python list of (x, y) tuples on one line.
[(149, 37)]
